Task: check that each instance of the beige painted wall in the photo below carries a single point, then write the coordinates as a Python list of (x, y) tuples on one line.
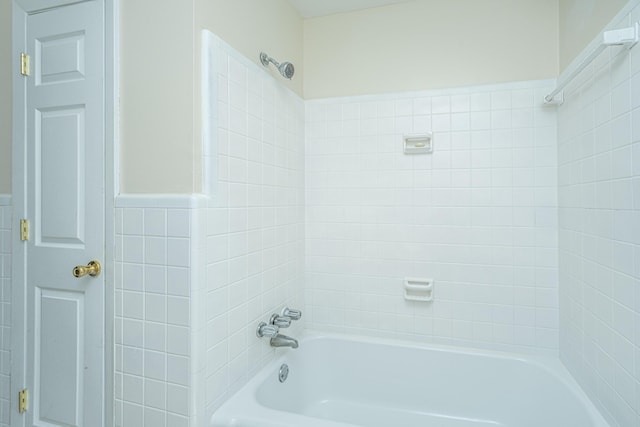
[(156, 97), (580, 22), (252, 26), (430, 44), (5, 97), (160, 147), (386, 49)]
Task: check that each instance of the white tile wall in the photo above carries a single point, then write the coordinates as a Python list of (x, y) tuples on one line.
[(156, 262), (5, 309), (599, 200), (255, 222), (478, 215)]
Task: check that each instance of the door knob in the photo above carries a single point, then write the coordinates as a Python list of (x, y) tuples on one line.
[(92, 269)]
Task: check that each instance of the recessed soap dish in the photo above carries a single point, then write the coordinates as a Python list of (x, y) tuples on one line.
[(418, 144), (418, 289)]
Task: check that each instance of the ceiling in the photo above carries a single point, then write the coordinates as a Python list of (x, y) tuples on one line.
[(315, 8)]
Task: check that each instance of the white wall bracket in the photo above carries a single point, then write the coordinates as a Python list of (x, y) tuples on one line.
[(622, 37), (558, 99)]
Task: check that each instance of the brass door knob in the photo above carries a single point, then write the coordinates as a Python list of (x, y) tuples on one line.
[(92, 269)]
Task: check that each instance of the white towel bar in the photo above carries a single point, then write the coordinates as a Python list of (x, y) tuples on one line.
[(622, 37)]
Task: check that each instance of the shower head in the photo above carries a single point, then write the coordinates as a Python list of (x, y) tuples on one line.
[(286, 68)]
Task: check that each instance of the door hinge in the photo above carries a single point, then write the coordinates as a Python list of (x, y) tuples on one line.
[(24, 229), (24, 64), (23, 401)]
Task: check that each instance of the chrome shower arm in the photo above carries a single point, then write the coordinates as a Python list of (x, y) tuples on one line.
[(265, 59)]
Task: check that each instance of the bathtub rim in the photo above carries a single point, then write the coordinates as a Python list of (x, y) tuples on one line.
[(551, 365)]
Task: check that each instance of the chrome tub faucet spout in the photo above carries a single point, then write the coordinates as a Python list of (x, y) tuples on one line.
[(283, 341)]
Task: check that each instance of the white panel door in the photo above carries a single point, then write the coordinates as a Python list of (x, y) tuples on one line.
[(65, 204)]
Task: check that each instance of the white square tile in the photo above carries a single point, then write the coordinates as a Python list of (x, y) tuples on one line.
[(155, 336), (178, 310), (155, 307), (155, 394), (501, 100), (178, 252), (501, 119), (154, 418), (620, 99), (522, 118), (133, 249), (155, 250), (132, 305), (155, 279), (460, 121), (522, 98), (441, 105), (480, 120), (132, 277), (422, 106), (131, 415), (178, 340), (155, 365), (178, 370), (155, 223), (621, 130), (132, 387), (132, 222), (178, 223), (480, 102), (132, 333), (178, 399), (460, 103), (132, 360)]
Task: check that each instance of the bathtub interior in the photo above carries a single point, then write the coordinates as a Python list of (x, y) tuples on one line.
[(373, 385)]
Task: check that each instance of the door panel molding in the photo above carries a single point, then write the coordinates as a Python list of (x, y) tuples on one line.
[(60, 205), (69, 48), (35, 6), (59, 318)]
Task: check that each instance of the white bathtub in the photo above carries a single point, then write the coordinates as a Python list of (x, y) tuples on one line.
[(338, 381)]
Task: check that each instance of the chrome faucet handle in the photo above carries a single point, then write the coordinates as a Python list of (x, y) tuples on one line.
[(280, 321), (291, 314), (265, 330)]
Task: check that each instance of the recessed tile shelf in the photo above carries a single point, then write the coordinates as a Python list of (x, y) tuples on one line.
[(418, 289), (418, 144)]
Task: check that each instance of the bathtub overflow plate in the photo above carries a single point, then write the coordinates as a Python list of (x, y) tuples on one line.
[(283, 373)]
